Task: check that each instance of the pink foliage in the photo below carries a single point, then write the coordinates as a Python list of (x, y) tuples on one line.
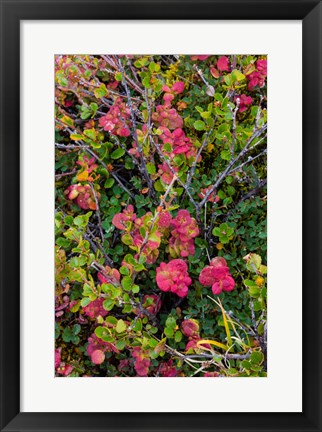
[(111, 275), (95, 344), (57, 357), (142, 361), (257, 77), (190, 328), (83, 195), (179, 248), (173, 277), (167, 369), (179, 142), (95, 309), (212, 197), (61, 368), (223, 64), (98, 356), (262, 67), (116, 120), (164, 219), (211, 374), (217, 275), (199, 57), (64, 369), (87, 163), (167, 116), (185, 229), (177, 88), (151, 303), (166, 173), (244, 102), (120, 220)]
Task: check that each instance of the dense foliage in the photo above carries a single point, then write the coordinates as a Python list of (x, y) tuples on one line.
[(160, 215)]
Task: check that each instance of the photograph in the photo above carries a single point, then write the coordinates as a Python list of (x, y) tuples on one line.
[(161, 215)]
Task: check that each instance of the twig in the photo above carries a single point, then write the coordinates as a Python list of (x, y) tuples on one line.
[(111, 172), (98, 212), (247, 196), (163, 158), (250, 159), (194, 165), (234, 114), (258, 114), (95, 247), (114, 66), (144, 170), (222, 356), (230, 165), (58, 176)]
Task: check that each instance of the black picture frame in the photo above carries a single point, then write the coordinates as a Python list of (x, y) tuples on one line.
[(12, 12)]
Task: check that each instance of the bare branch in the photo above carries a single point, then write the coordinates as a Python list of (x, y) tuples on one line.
[(256, 134)]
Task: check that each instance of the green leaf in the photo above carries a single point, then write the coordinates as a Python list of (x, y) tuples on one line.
[(85, 301), (120, 344), (254, 291), (87, 290), (168, 332), (256, 357), (124, 271), (138, 326), (82, 220), (107, 288), (67, 334), (76, 137), (236, 75), (250, 283), (254, 263), (135, 289), (139, 267), (151, 168), (118, 76), (154, 67), (225, 154), (171, 322), (129, 259), (118, 153), (246, 364), (108, 304), (127, 283), (158, 186), (178, 336), (146, 82), (121, 326), (167, 148), (111, 320), (199, 125), (109, 183), (90, 133), (100, 91), (76, 329)]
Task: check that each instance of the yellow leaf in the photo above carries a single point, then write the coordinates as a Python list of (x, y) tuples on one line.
[(212, 342), (83, 176), (230, 342), (67, 120), (76, 137)]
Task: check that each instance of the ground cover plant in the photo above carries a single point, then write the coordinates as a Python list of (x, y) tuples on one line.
[(160, 215)]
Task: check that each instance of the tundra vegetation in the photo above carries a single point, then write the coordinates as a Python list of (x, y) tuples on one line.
[(160, 215)]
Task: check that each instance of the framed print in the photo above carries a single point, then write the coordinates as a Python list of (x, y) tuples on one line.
[(160, 240)]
